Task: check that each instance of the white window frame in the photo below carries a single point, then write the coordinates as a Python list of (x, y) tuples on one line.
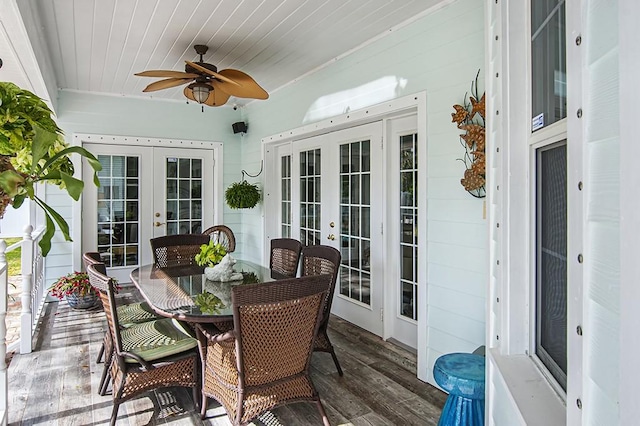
[(544, 137), (510, 368)]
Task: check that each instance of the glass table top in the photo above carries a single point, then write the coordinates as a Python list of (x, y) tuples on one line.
[(185, 293)]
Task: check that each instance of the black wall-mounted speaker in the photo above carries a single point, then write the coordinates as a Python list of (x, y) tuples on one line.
[(239, 127)]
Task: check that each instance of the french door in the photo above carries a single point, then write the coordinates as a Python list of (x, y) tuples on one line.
[(144, 192), (336, 199)]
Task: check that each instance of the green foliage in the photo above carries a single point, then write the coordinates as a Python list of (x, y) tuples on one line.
[(73, 283), (33, 150), (210, 254), (209, 303), (242, 195)]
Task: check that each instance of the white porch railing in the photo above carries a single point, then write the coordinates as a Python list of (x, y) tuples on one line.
[(32, 293), (32, 297)]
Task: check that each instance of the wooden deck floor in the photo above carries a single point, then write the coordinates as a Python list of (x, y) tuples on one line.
[(57, 383)]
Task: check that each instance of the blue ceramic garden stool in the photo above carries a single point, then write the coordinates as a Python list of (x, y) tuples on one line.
[(462, 375)]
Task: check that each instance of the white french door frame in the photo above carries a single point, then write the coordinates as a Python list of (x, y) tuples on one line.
[(412, 104), (82, 138)]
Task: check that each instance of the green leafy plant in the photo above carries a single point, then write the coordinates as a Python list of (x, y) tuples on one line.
[(33, 150), (73, 283), (209, 303), (242, 195), (210, 254)]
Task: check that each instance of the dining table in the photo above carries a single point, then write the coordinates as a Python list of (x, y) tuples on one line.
[(185, 293)]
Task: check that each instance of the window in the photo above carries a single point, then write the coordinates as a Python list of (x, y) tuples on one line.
[(285, 198), (551, 259), (548, 106), (548, 60)]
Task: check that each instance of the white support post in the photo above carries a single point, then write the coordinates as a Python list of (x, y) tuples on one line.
[(26, 317), (4, 382)]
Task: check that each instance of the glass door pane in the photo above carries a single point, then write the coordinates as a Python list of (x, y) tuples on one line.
[(184, 195), (355, 213), (408, 285), (310, 198), (118, 210)]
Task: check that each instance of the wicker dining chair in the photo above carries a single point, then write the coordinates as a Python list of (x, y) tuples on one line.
[(264, 361), (128, 314), (316, 260), (177, 250), (284, 258), (222, 234), (146, 356)]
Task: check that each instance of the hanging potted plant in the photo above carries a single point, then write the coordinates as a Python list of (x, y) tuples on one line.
[(33, 150), (242, 195)]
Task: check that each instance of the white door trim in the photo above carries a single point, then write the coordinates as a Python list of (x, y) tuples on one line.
[(412, 103), (80, 138)]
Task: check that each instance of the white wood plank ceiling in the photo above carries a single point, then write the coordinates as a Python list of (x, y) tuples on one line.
[(97, 45)]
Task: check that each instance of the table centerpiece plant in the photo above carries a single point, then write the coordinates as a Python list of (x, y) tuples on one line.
[(210, 254), (33, 150)]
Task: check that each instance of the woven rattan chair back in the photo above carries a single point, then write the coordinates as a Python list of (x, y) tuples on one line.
[(131, 375), (284, 258), (91, 258), (318, 260), (222, 234), (264, 361), (323, 260), (177, 250)]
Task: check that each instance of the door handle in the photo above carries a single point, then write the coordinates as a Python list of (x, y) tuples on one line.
[(331, 237), (159, 223)]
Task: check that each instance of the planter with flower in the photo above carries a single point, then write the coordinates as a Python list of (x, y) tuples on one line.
[(33, 150), (76, 288)]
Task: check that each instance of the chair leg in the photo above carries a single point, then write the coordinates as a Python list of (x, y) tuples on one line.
[(335, 361), (323, 414), (98, 360), (203, 408), (104, 380), (114, 413)]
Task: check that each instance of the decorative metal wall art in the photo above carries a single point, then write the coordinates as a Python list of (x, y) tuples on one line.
[(470, 117)]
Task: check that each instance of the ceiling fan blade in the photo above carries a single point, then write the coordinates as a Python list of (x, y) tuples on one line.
[(216, 97), (166, 74), (211, 73), (248, 87), (165, 84)]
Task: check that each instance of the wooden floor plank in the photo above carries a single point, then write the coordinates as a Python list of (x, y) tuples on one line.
[(58, 383)]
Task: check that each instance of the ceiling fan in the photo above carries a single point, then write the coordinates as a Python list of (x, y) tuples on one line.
[(208, 85)]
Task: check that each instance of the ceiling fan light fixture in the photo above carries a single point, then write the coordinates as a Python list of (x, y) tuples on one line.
[(200, 91)]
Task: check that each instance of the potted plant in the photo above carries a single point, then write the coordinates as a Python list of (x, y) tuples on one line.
[(210, 254), (33, 150), (76, 288), (242, 195)]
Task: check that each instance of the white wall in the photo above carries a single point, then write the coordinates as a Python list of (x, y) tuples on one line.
[(112, 115), (440, 53), (602, 228)]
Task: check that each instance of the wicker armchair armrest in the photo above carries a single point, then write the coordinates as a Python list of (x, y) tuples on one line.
[(145, 364)]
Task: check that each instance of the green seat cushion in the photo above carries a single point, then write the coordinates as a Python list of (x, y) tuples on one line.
[(157, 339), (134, 313)]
